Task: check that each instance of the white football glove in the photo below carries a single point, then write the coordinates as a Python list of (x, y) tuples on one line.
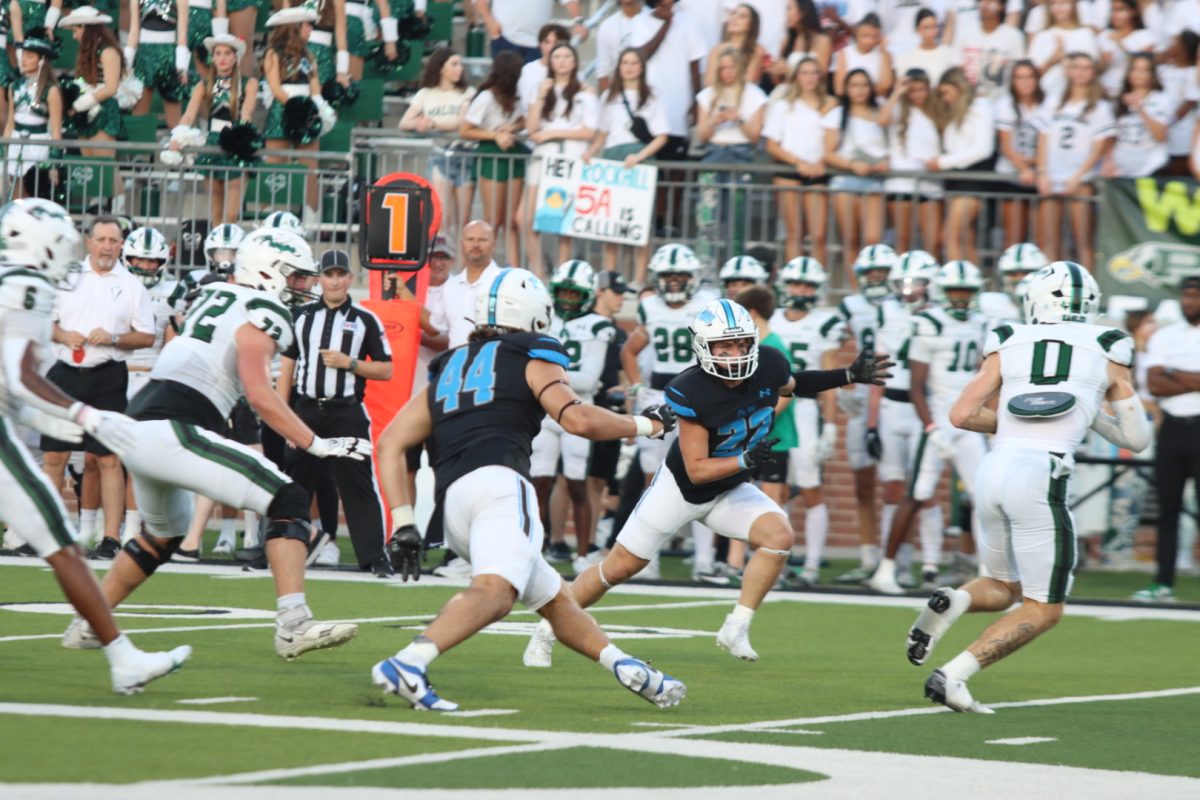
[(54, 427), (826, 442), (340, 447), (183, 58), (113, 430), (851, 403), (941, 442)]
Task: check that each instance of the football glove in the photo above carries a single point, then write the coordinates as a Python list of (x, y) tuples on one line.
[(113, 430), (826, 442), (340, 447), (756, 456), (869, 368), (874, 444), (850, 403), (55, 427), (406, 550), (661, 413)]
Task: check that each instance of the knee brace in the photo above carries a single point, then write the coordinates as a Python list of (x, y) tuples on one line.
[(288, 529), (290, 503), (150, 557)]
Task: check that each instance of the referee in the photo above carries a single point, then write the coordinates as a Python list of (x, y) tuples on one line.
[(338, 347)]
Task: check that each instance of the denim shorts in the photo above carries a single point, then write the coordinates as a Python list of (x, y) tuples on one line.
[(452, 165), (856, 183)]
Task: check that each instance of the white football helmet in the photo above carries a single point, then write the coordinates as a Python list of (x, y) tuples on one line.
[(150, 244), (517, 299), (806, 271), (1017, 261), (1063, 291), (575, 276), (676, 272), (959, 274), (871, 268), (722, 320), (265, 262), (743, 268), (910, 277), (284, 220), (220, 247), (40, 235)]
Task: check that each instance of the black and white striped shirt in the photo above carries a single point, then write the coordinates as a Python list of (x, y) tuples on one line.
[(350, 329)]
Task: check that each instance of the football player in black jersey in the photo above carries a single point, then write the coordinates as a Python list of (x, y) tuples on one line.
[(483, 406), (726, 405)]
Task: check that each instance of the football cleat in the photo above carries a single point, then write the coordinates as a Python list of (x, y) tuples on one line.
[(540, 650), (291, 643), (410, 682), (80, 636), (734, 636), (132, 678), (884, 584), (224, 546), (856, 575), (943, 610), (654, 686), (953, 694)]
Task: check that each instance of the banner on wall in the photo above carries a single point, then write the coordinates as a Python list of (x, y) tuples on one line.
[(1148, 236), (599, 200)]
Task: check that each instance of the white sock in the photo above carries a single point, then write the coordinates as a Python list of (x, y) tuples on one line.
[(930, 527), (419, 653), (610, 655), (291, 610), (250, 538), (87, 525), (887, 514), (869, 555), (133, 525), (120, 649), (228, 530), (742, 612), (962, 666), (886, 571), (816, 529), (289, 601), (704, 549)]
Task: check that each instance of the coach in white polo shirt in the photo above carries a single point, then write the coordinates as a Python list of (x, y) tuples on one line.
[(479, 267), (96, 325), (1173, 377)]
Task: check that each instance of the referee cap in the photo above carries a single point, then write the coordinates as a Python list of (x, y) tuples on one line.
[(335, 259)]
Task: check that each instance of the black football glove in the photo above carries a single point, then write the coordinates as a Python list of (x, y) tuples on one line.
[(756, 456), (874, 444), (664, 414), (406, 551), (870, 368)]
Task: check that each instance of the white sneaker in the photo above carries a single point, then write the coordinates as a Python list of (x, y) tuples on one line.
[(225, 545), (734, 636), (458, 568), (329, 556), (312, 635), (943, 610), (410, 682), (884, 584), (539, 652), (652, 685), (953, 694), (132, 678), (650, 572), (580, 564), (80, 636)]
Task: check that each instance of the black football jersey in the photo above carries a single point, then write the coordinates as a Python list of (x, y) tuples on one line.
[(737, 418), (483, 411)]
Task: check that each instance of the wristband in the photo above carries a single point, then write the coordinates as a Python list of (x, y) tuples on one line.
[(849, 377), (401, 516), (390, 28), (353, 364), (52, 16), (183, 58), (343, 62), (644, 426), (220, 26)]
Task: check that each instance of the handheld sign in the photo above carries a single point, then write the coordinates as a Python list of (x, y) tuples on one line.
[(401, 215)]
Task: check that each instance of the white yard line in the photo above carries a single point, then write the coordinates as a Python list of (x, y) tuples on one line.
[(1022, 740), (212, 701)]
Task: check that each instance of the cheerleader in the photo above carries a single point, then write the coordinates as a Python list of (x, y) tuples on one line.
[(99, 65), (33, 15), (158, 50), (205, 18), (290, 70), (35, 108), (327, 42), (225, 97)]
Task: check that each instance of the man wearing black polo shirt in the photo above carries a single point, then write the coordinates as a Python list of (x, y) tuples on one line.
[(339, 346)]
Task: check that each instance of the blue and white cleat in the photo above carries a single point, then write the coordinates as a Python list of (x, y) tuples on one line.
[(410, 682), (654, 686)]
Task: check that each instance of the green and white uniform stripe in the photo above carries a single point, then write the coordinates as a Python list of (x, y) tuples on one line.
[(28, 501)]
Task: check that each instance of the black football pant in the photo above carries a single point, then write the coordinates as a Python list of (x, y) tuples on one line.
[(1176, 459)]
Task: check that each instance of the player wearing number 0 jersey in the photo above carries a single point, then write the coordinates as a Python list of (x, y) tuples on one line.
[(223, 350), (1050, 377), (483, 406), (726, 406)]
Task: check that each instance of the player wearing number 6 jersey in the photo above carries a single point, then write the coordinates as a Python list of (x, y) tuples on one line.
[(726, 405), (223, 351), (1050, 378)]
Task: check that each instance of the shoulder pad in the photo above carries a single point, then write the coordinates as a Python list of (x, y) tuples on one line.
[(678, 401), (546, 348), (926, 324), (1118, 345), (272, 318), (831, 327), (26, 290), (996, 338), (604, 329)]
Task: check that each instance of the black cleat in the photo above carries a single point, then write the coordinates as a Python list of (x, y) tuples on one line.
[(107, 549), (918, 647), (939, 601)]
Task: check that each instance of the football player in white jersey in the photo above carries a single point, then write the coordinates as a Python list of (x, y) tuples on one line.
[(863, 314), (1050, 377), (813, 337), (893, 427), (223, 351), (943, 355), (741, 272), (38, 252), (1015, 264), (585, 336)]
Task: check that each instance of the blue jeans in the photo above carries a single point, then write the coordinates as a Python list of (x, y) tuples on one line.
[(500, 44)]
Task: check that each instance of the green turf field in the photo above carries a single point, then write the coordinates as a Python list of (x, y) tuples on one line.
[(1105, 705)]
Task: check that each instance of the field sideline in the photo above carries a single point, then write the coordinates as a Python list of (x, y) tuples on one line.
[(1103, 706)]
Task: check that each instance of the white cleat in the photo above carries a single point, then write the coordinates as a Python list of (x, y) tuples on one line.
[(944, 608), (80, 636), (410, 682), (884, 584), (953, 694), (132, 677), (224, 546), (293, 642), (540, 650), (734, 636), (652, 685)]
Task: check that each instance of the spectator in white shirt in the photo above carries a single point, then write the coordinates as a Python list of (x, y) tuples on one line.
[(914, 115), (865, 52), (629, 97), (1017, 140), (729, 113), (986, 46), (1143, 115), (1049, 48), (969, 144), (1076, 130), (803, 39), (673, 48), (561, 121), (791, 119), (741, 33), (613, 36), (514, 24), (772, 15), (930, 55), (532, 74), (900, 21), (1178, 73), (1125, 35)]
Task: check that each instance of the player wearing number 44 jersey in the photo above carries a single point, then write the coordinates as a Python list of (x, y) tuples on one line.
[(224, 350), (726, 406), (483, 406), (1050, 378)]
